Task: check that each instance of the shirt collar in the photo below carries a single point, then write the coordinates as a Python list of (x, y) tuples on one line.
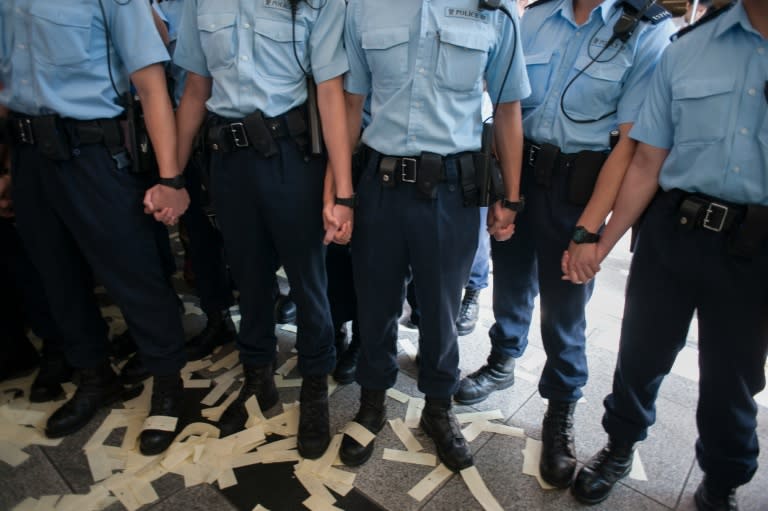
[(565, 9), (736, 15)]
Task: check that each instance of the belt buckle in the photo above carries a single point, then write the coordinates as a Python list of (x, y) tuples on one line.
[(24, 127), (408, 165), (533, 153), (713, 224), (239, 136)]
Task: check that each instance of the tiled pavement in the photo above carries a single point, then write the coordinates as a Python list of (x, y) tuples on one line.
[(667, 455)]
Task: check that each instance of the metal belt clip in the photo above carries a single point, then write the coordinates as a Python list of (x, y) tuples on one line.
[(239, 136), (408, 170), (719, 212), (24, 127), (533, 152)]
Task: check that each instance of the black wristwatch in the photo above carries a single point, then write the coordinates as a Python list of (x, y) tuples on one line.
[(516, 206), (349, 202), (582, 235), (177, 183)]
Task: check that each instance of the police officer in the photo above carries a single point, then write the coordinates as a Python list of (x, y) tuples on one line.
[(78, 205), (248, 64), (703, 247), (586, 84), (424, 64)]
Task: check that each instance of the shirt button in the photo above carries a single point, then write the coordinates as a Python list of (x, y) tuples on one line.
[(422, 70), (751, 92), (212, 25), (744, 131), (21, 46), (244, 58), (737, 169), (247, 25), (761, 50), (24, 81)]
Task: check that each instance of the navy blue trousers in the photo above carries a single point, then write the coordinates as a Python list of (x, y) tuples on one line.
[(395, 229), (86, 214), (206, 248), (529, 264), (674, 273), (270, 210)]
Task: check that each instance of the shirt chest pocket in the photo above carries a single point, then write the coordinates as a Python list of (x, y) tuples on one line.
[(274, 48), (60, 34), (596, 92), (461, 59), (539, 69), (386, 50), (700, 109), (217, 38)]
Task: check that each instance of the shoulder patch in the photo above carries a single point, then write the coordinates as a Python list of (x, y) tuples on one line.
[(537, 3), (713, 14), (653, 14)]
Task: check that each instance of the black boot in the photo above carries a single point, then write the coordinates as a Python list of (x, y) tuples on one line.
[(558, 460), (710, 497), (372, 415), (468, 312), (314, 428), (99, 386), (347, 363), (20, 359), (285, 310), (167, 401), (497, 374), (439, 422), (259, 382), (596, 479), (134, 371), (218, 330), (54, 370)]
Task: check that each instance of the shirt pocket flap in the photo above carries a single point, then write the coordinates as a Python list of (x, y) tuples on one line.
[(465, 39), (538, 58), (215, 22), (691, 89), (279, 31), (66, 15), (385, 38), (601, 70)]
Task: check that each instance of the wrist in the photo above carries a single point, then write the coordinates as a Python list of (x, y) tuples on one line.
[(582, 235), (516, 205)]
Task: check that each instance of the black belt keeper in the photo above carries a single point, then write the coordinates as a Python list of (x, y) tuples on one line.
[(469, 187)]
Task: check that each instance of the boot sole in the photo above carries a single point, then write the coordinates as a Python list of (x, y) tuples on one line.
[(591, 502), (480, 399), (465, 331)]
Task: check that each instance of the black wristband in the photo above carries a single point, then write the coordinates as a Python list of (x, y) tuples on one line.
[(582, 235), (349, 202), (176, 183), (516, 206)]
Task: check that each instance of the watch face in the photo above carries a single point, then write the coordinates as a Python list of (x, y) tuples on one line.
[(581, 235)]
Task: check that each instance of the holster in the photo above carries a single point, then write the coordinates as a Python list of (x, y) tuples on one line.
[(259, 135), (430, 174), (747, 240), (470, 182), (584, 171), (51, 137)]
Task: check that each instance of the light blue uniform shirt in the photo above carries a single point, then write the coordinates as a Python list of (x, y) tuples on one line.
[(247, 48), (424, 63), (706, 104), (53, 54), (556, 48)]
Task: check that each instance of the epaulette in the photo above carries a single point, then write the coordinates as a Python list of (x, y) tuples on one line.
[(537, 3), (709, 16), (654, 14)]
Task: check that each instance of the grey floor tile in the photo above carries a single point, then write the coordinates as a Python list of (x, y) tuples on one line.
[(500, 464), (34, 478), (202, 497)]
